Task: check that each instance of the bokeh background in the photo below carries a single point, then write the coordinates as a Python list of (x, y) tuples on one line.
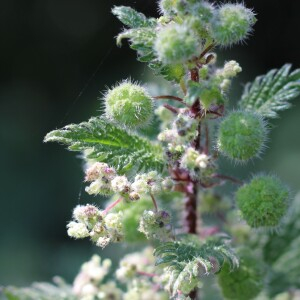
[(56, 58)]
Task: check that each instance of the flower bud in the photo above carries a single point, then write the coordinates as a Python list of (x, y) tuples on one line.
[(242, 135), (167, 7), (120, 184), (232, 23), (263, 202), (129, 104), (176, 44), (77, 230), (97, 170), (243, 283)]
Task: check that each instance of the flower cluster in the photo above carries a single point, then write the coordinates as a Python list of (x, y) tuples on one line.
[(101, 227), (88, 284), (199, 165), (156, 225), (106, 181), (183, 130), (137, 271), (101, 175)]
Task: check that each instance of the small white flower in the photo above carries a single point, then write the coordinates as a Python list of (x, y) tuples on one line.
[(188, 160), (77, 230), (103, 241), (95, 171), (120, 184), (231, 69), (202, 161)]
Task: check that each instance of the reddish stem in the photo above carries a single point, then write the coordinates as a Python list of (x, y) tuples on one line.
[(146, 274), (107, 209), (220, 176), (154, 203), (168, 97), (206, 50), (171, 108)]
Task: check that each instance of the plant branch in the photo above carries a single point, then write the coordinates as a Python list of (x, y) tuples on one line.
[(112, 205), (154, 202), (169, 97), (226, 177), (171, 108)]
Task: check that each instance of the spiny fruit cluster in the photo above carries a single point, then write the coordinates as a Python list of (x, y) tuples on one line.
[(180, 170)]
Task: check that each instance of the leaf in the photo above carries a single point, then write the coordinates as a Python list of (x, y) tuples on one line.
[(131, 18), (141, 40), (272, 92), (107, 142), (189, 259), (41, 291)]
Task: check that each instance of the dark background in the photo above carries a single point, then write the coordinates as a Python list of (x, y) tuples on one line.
[(56, 57)]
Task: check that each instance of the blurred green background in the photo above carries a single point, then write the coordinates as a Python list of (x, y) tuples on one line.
[(56, 58)]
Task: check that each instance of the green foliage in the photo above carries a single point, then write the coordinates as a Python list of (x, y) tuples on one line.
[(141, 33), (271, 93), (263, 202), (107, 142), (281, 251), (41, 291), (241, 135), (243, 283), (178, 46), (187, 261), (131, 18)]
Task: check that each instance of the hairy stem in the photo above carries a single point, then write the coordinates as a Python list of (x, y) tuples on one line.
[(154, 203), (107, 209)]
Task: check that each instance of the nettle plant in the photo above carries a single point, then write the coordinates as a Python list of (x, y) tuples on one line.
[(165, 187)]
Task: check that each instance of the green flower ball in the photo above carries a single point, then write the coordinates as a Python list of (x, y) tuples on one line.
[(232, 23), (129, 104), (263, 202), (167, 7), (243, 283), (176, 44), (241, 135)]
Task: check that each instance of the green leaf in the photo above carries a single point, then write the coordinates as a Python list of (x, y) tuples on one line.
[(107, 142), (190, 259), (41, 291), (141, 40), (272, 92), (131, 18)]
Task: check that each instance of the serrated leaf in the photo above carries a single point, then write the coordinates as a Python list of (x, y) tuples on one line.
[(272, 92), (107, 142), (41, 291), (131, 18), (182, 259)]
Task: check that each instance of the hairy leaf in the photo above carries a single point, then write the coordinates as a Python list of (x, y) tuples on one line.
[(41, 291), (107, 142), (131, 18), (272, 92), (191, 260), (141, 40)]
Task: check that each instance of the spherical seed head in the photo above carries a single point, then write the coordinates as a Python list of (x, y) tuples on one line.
[(242, 135), (232, 23), (243, 283), (167, 7), (129, 104), (176, 44), (263, 202)]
